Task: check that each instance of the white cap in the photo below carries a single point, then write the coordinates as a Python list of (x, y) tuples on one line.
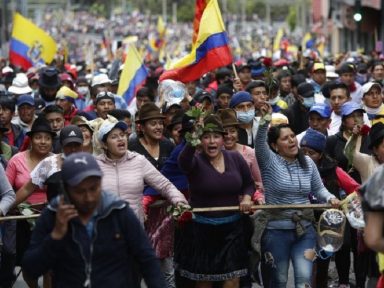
[(330, 71), (6, 70), (100, 79), (20, 85), (367, 86)]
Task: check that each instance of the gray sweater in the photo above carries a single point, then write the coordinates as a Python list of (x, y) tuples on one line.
[(7, 195), (286, 182)]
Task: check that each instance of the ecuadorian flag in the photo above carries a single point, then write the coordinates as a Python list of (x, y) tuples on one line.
[(29, 44), (133, 75), (210, 51)]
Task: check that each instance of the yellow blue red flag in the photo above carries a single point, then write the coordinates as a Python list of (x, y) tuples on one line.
[(210, 51), (133, 75), (29, 44)]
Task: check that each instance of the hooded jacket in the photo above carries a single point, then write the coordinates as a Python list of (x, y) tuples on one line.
[(104, 260)]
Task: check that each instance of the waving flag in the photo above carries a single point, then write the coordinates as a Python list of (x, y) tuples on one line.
[(199, 9), (30, 45), (210, 51), (133, 75)]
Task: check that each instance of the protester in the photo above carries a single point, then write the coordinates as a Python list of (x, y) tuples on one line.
[(8, 249), (288, 177), (65, 98), (49, 84), (242, 102), (347, 72), (212, 246), (26, 112), (87, 131), (274, 99), (297, 113), (55, 116), (18, 172), (318, 76), (378, 73), (6, 150), (231, 138), (258, 90), (338, 182), (104, 103), (285, 90), (15, 134), (223, 96), (373, 100), (90, 214)]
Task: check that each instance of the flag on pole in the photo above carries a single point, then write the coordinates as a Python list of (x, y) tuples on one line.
[(133, 75), (30, 45), (210, 51)]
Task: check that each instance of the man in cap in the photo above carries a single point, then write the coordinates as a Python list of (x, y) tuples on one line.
[(65, 98), (104, 103), (319, 118), (48, 173), (26, 110), (242, 103), (338, 95), (88, 237), (318, 76), (101, 83), (297, 113)]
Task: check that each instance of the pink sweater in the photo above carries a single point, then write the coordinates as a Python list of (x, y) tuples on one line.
[(18, 174), (127, 177)]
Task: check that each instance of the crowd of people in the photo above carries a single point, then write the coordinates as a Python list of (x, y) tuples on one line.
[(104, 174)]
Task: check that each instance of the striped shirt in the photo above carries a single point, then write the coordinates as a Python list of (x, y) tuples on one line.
[(286, 182)]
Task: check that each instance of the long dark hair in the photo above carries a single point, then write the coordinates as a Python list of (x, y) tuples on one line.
[(274, 134)]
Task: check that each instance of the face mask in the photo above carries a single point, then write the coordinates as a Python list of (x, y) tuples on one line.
[(274, 100), (83, 90), (308, 102), (245, 117)]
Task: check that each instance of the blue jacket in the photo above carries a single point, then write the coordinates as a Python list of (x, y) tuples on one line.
[(118, 248)]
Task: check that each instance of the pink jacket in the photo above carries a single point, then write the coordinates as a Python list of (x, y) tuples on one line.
[(127, 177)]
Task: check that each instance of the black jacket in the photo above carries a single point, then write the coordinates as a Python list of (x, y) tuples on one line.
[(297, 116), (107, 260)]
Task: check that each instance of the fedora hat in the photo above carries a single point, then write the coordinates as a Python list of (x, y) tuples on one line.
[(49, 78), (149, 111), (228, 117), (212, 123), (41, 125)]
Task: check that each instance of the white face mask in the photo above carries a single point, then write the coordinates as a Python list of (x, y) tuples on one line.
[(83, 90)]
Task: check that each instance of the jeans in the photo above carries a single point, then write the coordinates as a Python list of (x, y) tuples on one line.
[(278, 248)]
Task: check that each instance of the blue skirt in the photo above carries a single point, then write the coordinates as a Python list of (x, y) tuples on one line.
[(211, 250)]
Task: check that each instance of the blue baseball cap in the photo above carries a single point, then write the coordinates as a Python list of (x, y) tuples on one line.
[(240, 97), (349, 107), (79, 166), (322, 109), (25, 99), (107, 127)]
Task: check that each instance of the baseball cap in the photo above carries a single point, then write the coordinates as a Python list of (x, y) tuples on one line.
[(306, 90), (108, 126), (367, 86), (79, 166), (318, 66), (71, 134), (25, 99), (322, 109), (202, 95), (349, 107)]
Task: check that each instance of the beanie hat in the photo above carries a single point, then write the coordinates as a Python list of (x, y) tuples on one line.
[(240, 97), (314, 139)]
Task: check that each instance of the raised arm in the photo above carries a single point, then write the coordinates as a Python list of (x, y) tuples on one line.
[(264, 155), (187, 158)]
